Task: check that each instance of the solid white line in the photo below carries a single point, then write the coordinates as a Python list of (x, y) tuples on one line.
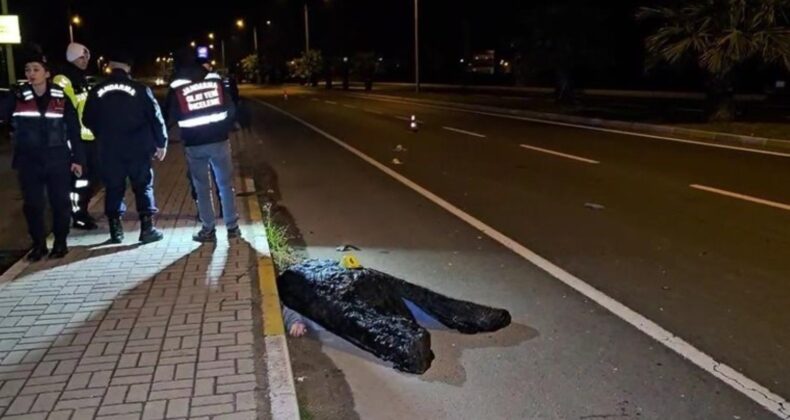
[(468, 133), (726, 374), (583, 127), (744, 197), (565, 155)]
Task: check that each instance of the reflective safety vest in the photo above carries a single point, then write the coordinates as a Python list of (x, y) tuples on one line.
[(78, 97), (201, 103), (34, 129)]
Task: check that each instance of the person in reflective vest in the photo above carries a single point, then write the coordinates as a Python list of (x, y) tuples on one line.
[(47, 151), (74, 83), (130, 131), (200, 105)]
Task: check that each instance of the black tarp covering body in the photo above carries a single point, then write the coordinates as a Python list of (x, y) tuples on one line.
[(366, 307)]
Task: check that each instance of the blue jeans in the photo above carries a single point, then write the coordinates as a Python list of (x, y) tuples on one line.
[(217, 157)]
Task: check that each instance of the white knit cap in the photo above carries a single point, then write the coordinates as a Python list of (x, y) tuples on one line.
[(75, 51)]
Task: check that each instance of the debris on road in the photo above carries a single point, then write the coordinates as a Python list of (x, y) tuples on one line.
[(595, 206), (396, 161), (346, 248), (399, 148)]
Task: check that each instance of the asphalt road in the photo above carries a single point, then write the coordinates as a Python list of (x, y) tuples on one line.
[(708, 263)]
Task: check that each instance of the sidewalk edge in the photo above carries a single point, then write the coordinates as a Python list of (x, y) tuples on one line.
[(282, 390)]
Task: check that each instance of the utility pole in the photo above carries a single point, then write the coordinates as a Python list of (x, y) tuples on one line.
[(417, 46), (306, 29)]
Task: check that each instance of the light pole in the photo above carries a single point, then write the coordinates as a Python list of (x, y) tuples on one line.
[(417, 46), (75, 21), (306, 29), (240, 24)]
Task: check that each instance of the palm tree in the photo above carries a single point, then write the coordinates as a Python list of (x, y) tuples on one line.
[(720, 36)]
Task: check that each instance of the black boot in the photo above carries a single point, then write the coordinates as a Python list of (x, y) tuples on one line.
[(59, 249), (148, 233), (116, 230), (37, 252)]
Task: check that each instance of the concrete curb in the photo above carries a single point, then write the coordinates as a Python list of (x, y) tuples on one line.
[(282, 389), (656, 129)]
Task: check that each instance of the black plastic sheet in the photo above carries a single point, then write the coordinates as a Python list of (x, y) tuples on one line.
[(366, 307)]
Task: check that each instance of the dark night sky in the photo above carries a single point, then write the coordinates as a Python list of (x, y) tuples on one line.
[(449, 28), (150, 28)]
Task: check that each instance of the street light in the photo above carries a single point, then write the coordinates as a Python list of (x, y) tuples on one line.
[(193, 44), (240, 24), (211, 35), (74, 21)]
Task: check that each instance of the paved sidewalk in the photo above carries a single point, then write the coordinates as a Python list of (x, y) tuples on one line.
[(165, 330)]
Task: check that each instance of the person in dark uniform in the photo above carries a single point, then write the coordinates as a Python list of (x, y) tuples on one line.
[(47, 151), (204, 111), (127, 122), (184, 66)]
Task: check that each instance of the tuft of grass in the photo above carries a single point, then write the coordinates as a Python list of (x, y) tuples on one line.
[(283, 254), (304, 414)]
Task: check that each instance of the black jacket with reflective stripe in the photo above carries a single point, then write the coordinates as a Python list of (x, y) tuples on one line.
[(43, 125), (201, 106)]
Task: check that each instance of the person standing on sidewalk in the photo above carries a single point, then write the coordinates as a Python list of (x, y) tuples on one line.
[(205, 113), (74, 83), (130, 131), (47, 151)]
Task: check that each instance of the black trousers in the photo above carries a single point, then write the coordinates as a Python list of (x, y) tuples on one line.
[(41, 177), (86, 186), (115, 171)]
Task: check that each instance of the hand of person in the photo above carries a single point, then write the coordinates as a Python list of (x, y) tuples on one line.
[(160, 153), (298, 329), (76, 169)]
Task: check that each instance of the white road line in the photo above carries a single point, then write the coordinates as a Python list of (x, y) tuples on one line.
[(565, 155), (758, 393), (744, 197), (373, 111), (331, 102), (580, 126), (314, 99), (349, 106), (468, 133)]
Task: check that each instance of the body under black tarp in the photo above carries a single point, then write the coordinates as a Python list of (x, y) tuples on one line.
[(367, 308)]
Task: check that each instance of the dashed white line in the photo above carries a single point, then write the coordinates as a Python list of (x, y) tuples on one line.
[(579, 126), (349, 106), (560, 154), (373, 111), (314, 99), (738, 381), (331, 102), (468, 133), (744, 197)]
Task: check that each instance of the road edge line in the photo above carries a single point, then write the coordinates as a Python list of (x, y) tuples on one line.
[(761, 395)]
